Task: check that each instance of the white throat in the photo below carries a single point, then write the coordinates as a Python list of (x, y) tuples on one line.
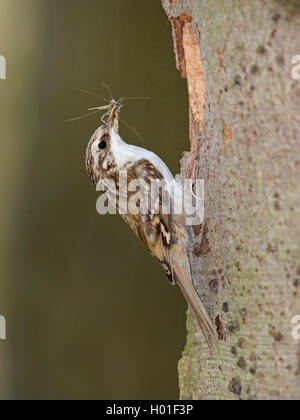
[(124, 152)]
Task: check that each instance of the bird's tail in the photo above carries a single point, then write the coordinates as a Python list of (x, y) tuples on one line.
[(195, 303)]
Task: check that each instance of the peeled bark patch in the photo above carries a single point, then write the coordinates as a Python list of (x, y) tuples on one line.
[(190, 65), (205, 245)]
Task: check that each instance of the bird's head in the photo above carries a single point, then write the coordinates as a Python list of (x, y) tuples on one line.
[(98, 152), (106, 154)]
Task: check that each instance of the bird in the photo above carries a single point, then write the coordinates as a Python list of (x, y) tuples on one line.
[(163, 235)]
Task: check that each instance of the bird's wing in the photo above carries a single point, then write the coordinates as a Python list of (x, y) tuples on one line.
[(165, 237), (154, 230)]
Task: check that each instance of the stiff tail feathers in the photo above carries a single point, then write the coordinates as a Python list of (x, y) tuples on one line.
[(196, 304)]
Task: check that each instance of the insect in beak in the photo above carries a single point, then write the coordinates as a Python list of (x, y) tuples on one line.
[(111, 117)]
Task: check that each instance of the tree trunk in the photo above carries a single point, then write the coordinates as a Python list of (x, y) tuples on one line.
[(244, 132)]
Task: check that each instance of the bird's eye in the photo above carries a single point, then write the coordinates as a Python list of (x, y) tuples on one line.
[(102, 145)]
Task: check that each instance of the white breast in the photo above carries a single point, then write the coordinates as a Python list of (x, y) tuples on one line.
[(124, 152)]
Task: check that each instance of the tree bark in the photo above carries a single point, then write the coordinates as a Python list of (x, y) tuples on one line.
[(244, 133)]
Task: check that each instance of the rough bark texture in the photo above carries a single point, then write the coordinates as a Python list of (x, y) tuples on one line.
[(245, 133)]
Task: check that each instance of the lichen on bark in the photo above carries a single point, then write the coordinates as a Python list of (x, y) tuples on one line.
[(248, 155)]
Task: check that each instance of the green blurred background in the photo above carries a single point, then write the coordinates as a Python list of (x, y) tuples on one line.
[(89, 313)]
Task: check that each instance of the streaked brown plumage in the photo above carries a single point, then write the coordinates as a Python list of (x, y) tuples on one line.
[(164, 235)]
